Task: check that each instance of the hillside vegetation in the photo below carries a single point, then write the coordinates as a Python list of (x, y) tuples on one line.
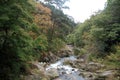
[(99, 36), (28, 31), (31, 29)]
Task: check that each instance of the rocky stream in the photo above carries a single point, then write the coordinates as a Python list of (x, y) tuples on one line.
[(64, 72), (70, 68)]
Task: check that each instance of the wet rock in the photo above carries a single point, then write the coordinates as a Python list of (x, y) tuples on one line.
[(88, 75), (68, 62), (79, 65), (73, 69), (62, 73), (53, 73)]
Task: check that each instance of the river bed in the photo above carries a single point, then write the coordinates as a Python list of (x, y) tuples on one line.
[(66, 72)]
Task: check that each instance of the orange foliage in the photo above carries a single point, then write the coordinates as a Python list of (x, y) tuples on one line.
[(42, 17), (33, 34)]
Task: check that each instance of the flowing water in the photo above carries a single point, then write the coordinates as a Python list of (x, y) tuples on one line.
[(66, 72)]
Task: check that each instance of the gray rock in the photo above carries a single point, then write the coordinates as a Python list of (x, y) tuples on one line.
[(52, 73), (106, 75), (93, 67), (32, 77)]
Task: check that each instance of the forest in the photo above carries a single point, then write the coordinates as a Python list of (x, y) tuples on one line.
[(99, 36), (33, 30)]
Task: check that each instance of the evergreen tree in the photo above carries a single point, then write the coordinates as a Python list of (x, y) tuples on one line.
[(15, 42)]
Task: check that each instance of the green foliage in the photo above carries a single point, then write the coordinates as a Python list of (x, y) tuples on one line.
[(16, 44), (57, 44), (99, 36), (76, 51), (77, 35), (41, 43), (70, 39), (21, 39), (62, 24), (114, 58), (101, 30)]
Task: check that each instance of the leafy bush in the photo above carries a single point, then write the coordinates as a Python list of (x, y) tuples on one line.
[(57, 44), (41, 43), (114, 58)]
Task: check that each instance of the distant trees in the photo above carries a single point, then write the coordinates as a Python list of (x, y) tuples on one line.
[(62, 25), (101, 32)]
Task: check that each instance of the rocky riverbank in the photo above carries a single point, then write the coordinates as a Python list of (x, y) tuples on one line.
[(92, 70), (70, 68)]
